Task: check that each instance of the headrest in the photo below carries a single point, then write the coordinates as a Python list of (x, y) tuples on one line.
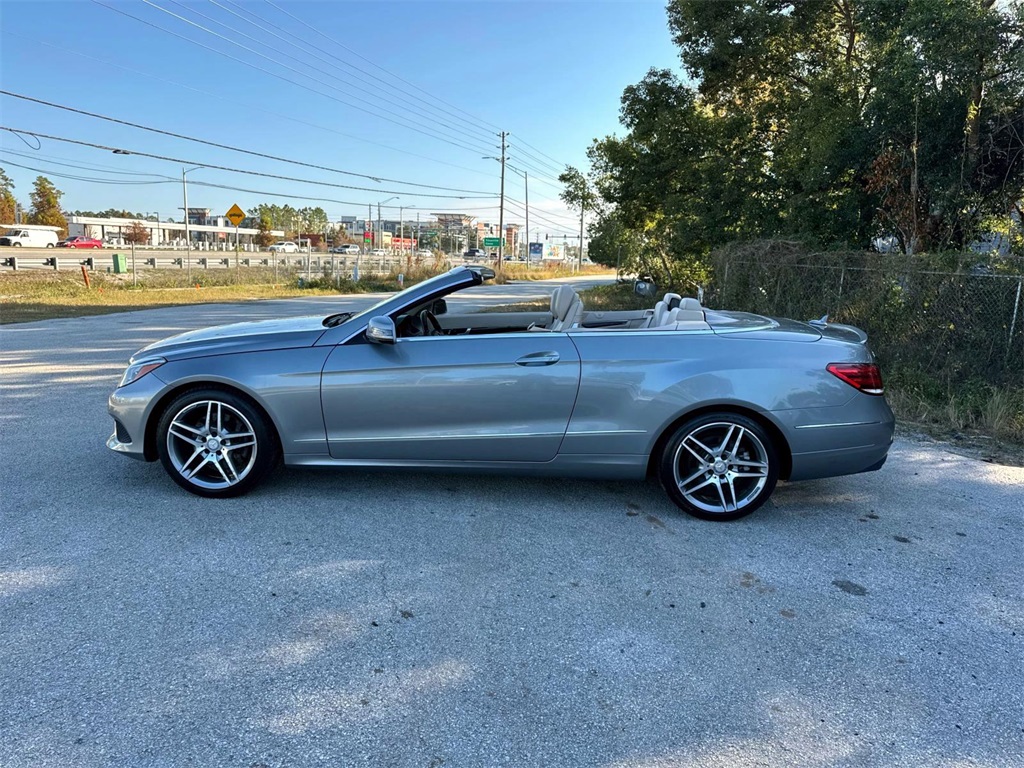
[(689, 303), (672, 300)]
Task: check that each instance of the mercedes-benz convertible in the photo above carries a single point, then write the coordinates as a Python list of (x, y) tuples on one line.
[(719, 405)]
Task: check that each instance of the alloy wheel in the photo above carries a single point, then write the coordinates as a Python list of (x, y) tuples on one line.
[(721, 467), (211, 444)]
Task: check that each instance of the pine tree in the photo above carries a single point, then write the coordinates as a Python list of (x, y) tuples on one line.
[(46, 206), (7, 202)]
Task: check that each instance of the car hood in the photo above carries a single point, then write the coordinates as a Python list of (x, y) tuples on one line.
[(257, 336)]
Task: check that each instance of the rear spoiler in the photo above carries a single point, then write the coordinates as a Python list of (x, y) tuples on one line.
[(837, 330)]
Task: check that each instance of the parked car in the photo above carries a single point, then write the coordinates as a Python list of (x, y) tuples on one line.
[(720, 405), (424, 253), (378, 252), (80, 242), (284, 246), (29, 237), (350, 249)]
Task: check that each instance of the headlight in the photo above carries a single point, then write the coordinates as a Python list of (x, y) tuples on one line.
[(136, 371)]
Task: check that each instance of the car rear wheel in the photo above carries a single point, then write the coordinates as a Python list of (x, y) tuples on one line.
[(719, 466), (215, 443)]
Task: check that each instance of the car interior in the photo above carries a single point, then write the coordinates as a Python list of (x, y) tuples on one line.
[(566, 312)]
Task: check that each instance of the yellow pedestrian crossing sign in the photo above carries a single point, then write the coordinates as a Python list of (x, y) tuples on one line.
[(236, 215)]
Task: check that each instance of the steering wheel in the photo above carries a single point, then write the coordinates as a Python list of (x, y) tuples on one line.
[(430, 325)]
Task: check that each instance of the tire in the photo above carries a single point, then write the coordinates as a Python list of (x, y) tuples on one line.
[(719, 466), (215, 443), (16, 245), (49, 245)]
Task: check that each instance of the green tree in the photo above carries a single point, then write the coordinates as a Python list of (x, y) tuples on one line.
[(827, 120), (137, 233), (8, 204), (264, 237), (46, 206)]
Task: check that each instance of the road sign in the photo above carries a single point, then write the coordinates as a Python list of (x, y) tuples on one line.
[(492, 242), (536, 250), (236, 215)]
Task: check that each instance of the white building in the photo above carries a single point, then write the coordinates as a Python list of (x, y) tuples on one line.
[(112, 230)]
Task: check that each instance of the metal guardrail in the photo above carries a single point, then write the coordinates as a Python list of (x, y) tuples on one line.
[(311, 264)]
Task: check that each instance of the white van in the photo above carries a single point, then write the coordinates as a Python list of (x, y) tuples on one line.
[(30, 237)]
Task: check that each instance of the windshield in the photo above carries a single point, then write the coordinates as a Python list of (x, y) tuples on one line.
[(426, 284)]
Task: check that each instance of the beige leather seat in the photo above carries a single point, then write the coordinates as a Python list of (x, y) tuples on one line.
[(566, 310), (680, 315), (658, 316)]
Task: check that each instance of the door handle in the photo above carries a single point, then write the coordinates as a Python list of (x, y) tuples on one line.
[(539, 358)]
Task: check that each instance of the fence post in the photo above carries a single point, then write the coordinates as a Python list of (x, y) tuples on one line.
[(842, 276), (1013, 322)]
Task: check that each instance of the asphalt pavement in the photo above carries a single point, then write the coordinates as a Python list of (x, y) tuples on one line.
[(359, 618)]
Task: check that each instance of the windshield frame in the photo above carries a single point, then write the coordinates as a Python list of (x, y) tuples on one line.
[(438, 286)]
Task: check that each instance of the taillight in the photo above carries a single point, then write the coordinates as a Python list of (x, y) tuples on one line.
[(864, 377)]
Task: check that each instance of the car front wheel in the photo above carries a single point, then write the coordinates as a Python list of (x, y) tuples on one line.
[(719, 466), (215, 443)]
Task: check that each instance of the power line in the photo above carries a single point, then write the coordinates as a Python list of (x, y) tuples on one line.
[(368, 61), (59, 175), (313, 51), (315, 54), (55, 160), (290, 68), (543, 217), (236, 102), (229, 147), (278, 76), (120, 151), (538, 161), (549, 157)]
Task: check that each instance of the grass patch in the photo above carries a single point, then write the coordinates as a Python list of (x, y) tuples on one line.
[(28, 296)]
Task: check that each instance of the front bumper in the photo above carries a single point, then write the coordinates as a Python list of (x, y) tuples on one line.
[(131, 407)]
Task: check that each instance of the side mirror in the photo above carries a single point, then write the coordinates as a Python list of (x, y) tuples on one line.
[(381, 330), (439, 307)]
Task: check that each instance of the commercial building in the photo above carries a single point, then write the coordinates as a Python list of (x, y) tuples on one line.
[(166, 233)]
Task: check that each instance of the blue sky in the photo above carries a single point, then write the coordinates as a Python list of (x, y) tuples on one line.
[(441, 78)]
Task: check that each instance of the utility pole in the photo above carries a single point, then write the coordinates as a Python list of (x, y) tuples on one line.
[(526, 183), (188, 237), (369, 223), (579, 258), (401, 230), (501, 212), (380, 224)]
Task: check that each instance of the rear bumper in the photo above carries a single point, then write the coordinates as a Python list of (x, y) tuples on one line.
[(824, 446)]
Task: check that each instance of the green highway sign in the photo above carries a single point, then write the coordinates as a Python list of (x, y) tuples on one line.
[(492, 242)]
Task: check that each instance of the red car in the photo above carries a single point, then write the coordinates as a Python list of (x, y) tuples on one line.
[(80, 242)]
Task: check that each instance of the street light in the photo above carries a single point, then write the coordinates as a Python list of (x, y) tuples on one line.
[(401, 224), (380, 223), (188, 236), (157, 214)]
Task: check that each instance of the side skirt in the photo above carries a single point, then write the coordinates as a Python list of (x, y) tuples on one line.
[(617, 467)]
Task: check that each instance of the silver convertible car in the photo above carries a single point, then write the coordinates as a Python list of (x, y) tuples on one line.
[(719, 405)]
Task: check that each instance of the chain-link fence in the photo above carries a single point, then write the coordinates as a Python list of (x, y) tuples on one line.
[(936, 331)]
